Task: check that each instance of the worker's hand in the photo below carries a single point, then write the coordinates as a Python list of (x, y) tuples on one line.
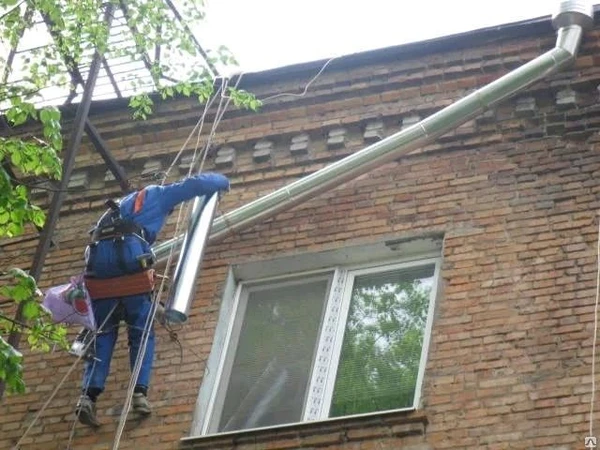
[(216, 181)]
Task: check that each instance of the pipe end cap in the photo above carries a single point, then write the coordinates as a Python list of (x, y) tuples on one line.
[(176, 317), (574, 12)]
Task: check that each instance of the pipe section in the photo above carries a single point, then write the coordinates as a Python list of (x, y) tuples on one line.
[(571, 20), (194, 242)]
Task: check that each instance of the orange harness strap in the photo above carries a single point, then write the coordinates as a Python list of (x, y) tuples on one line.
[(136, 283), (139, 201)]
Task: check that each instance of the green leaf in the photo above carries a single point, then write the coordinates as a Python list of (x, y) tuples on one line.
[(16, 158), (31, 310), (10, 368), (45, 115), (54, 114), (38, 217), (79, 29), (20, 293)]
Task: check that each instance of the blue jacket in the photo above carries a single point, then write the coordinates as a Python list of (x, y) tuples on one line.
[(102, 259)]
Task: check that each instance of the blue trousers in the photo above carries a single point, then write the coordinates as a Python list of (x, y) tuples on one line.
[(134, 310)]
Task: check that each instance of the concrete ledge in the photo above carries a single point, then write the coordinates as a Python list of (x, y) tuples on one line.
[(310, 435)]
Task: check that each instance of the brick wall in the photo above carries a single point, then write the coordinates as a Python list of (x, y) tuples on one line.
[(514, 194)]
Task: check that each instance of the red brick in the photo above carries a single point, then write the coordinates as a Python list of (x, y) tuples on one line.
[(508, 364)]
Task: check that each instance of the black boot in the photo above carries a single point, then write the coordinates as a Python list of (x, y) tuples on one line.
[(86, 411)]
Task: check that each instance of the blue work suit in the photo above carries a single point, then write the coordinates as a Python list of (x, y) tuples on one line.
[(103, 261)]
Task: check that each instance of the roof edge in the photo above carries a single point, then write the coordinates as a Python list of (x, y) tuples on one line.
[(525, 28)]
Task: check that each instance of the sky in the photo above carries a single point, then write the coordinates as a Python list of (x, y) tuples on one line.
[(265, 34)]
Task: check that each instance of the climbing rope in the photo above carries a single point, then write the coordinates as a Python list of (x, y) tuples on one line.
[(197, 128), (62, 381), (199, 124), (89, 379), (224, 101), (221, 109)]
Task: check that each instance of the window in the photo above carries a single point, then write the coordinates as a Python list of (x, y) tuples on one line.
[(318, 345)]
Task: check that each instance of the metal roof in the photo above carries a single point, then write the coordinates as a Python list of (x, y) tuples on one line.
[(118, 69)]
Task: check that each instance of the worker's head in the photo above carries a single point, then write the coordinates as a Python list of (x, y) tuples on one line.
[(139, 182)]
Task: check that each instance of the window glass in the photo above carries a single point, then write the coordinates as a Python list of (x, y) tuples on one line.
[(274, 355), (383, 340), (336, 343)]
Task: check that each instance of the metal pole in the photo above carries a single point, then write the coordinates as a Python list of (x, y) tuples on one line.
[(210, 65), (139, 48), (58, 197), (13, 50), (73, 146)]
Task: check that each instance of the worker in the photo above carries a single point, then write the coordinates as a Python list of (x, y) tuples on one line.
[(120, 246)]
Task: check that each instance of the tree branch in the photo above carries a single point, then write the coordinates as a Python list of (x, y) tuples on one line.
[(15, 323), (17, 6)]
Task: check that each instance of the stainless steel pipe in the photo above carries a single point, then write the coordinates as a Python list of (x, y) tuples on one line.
[(194, 241), (571, 20)]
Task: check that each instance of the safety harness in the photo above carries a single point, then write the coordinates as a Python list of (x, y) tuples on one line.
[(116, 230), (112, 226)]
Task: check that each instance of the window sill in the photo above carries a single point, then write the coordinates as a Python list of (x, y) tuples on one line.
[(395, 424)]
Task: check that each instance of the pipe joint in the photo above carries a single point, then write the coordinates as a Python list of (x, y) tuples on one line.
[(574, 12), (572, 19), (568, 39)]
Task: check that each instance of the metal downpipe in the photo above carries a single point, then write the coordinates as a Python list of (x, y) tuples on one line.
[(183, 286), (572, 19)]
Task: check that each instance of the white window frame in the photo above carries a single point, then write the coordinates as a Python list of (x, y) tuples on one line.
[(235, 325), (330, 336), (345, 308)]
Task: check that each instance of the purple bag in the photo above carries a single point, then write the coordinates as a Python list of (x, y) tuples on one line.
[(71, 304)]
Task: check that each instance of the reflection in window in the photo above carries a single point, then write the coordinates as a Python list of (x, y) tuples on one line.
[(274, 355), (336, 343), (381, 351)]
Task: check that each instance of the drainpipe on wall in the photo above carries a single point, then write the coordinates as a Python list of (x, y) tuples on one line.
[(571, 20)]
